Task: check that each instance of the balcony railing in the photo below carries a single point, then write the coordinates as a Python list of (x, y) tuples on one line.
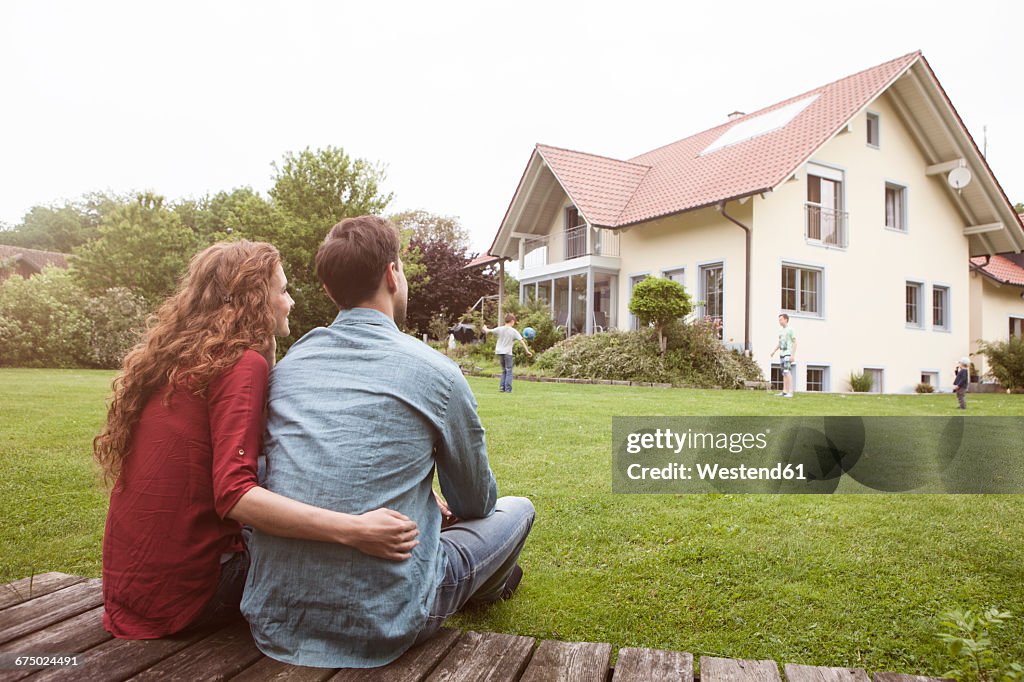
[(827, 226), (569, 244)]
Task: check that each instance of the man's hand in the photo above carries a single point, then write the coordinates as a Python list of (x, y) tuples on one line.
[(385, 533), (447, 517)]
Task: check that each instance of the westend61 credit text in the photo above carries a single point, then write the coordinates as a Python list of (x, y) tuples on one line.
[(673, 455)]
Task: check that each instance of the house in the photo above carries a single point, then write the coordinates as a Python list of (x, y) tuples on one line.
[(997, 300), (855, 207), (15, 260)]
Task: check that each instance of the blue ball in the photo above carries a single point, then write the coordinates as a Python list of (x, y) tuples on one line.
[(529, 333)]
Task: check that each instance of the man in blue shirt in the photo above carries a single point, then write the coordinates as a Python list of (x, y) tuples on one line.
[(360, 415)]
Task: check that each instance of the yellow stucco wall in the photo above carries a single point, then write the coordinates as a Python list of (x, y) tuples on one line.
[(688, 241), (991, 310)]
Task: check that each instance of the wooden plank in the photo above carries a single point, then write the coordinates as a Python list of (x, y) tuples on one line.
[(902, 677), (569, 662), (653, 665), (412, 666), (35, 586), (485, 657), (267, 669), (218, 657), (70, 636), (36, 614), (731, 670), (119, 659), (810, 673)]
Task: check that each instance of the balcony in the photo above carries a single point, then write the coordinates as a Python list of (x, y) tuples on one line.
[(567, 245), (826, 226)]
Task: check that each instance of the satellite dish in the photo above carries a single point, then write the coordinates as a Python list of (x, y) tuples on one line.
[(959, 178)]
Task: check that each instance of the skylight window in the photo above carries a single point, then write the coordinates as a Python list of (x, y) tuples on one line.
[(760, 125)]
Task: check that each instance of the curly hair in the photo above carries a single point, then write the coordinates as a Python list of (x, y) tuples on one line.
[(221, 309)]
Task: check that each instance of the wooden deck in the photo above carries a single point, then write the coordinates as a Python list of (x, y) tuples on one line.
[(55, 613)]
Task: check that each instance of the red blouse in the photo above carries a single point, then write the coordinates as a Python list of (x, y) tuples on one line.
[(189, 464)]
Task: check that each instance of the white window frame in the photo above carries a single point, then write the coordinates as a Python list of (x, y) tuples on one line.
[(702, 295), (668, 273), (826, 376), (771, 382), (1019, 325), (936, 376), (881, 377), (919, 305), (634, 279), (947, 325), (877, 118), (902, 219), (798, 266), (835, 174)]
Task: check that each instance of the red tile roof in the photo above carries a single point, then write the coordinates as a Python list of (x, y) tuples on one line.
[(480, 261), (1001, 268), (677, 177)]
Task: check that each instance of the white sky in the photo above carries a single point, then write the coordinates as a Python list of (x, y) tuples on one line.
[(188, 98)]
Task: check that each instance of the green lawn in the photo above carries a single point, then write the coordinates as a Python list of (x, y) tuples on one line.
[(850, 580)]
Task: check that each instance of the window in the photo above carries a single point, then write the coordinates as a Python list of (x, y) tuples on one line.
[(801, 290), (940, 307), (712, 290), (825, 220), (895, 207), (776, 379), (1016, 327), (817, 378), (676, 275), (634, 322), (873, 130), (877, 378), (930, 378), (914, 305), (575, 234)]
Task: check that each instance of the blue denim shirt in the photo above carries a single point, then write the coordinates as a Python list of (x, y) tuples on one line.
[(359, 416)]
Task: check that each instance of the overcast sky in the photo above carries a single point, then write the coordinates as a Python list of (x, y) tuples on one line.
[(189, 98)]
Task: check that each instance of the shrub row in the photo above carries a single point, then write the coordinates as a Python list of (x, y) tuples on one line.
[(49, 321)]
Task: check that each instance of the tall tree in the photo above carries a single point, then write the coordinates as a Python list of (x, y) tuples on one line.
[(142, 246), (312, 191), (445, 286), (62, 228), (424, 226)]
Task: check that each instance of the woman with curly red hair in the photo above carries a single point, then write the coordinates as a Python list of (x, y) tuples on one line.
[(180, 446)]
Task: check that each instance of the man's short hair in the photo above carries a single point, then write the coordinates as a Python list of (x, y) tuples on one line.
[(785, 316), (353, 258), (509, 317)]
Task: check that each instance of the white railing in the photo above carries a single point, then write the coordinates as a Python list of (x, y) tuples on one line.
[(827, 226), (573, 244)]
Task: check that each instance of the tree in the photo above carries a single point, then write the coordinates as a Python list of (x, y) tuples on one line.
[(61, 228), (1019, 207), (445, 285), (313, 190), (424, 226), (142, 246), (659, 301), (326, 185)]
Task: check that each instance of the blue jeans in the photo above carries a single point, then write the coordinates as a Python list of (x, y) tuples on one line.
[(506, 371), (481, 556)]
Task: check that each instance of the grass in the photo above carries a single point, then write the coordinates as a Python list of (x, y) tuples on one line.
[(845, 580)]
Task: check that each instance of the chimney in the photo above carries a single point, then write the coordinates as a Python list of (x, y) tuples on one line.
[(735, 115)]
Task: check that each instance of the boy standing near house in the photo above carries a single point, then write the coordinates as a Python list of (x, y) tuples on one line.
[(960, 383), (507, 337), (787, 355)]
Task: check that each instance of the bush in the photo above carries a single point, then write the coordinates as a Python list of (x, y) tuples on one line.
[(43, 323), (118, 319), (860, 383), (924, 388), (1005, 361), (694, 356), (659, 301)]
